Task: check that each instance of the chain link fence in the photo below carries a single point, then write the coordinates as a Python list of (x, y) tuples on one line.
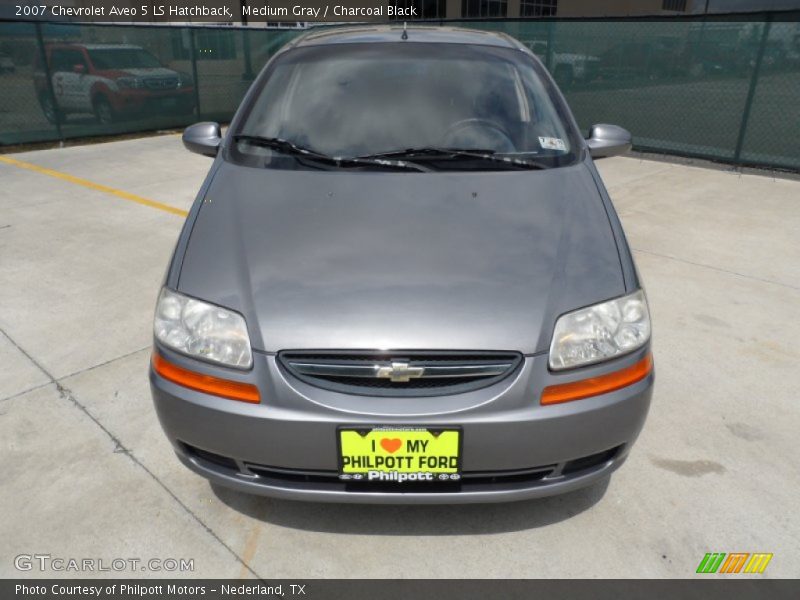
[(716, 88)]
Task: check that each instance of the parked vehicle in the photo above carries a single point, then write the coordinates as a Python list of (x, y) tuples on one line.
[(774, 56), (568, 67), (651, 59), (6, 64), (110, 81), (403, 281), (793, 53)]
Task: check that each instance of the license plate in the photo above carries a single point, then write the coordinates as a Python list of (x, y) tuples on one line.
[(400, 454)]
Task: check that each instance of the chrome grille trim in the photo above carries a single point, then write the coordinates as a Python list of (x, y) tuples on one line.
[(400, 372), (372, 371), (161, 83)]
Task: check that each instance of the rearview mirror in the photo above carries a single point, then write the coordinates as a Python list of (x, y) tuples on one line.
[(203, 138), (608, 140), (79, 69)]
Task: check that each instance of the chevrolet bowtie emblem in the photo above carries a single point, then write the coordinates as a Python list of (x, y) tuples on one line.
[(399, 372)]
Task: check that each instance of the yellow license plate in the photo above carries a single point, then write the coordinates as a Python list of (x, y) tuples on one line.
[(400, 454)]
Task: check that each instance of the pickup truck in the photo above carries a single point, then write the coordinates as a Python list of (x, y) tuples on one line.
[(567, 67), (110, 81)]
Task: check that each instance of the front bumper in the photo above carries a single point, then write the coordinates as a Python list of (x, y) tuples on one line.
[(156, 101), (513, 448)]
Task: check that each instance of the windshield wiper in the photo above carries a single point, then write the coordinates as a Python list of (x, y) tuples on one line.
[(292, 149), (281, 145), (435, 153)]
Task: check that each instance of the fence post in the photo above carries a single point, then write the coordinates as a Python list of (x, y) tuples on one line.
[(248, 60), (193, 50), (748, 105), (49, 77), (551, 25)]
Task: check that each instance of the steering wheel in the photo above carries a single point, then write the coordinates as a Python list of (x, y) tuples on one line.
[(478, 133)]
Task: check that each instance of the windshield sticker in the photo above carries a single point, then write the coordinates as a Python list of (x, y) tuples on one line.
[(551, 143)]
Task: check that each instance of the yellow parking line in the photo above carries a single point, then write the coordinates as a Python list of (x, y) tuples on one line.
[(250, 547), (94, 186)]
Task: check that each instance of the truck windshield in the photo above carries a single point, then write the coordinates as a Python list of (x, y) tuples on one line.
[(123, 58), (412, 100)]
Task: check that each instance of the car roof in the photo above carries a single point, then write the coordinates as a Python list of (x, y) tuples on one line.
[(94, 46), (415, 33)]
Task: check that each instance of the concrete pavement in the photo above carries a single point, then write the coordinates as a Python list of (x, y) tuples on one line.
[(88, 473)]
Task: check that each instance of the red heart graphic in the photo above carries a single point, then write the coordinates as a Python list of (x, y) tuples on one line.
[(391, 445)]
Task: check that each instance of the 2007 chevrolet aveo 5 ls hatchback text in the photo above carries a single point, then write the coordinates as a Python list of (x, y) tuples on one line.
[(403, 281)]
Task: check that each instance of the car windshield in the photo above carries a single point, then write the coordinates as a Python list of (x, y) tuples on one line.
[(410, 100), (123, 58)]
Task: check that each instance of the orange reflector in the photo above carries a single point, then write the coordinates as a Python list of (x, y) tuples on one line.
[(233, 390), (602, 384)]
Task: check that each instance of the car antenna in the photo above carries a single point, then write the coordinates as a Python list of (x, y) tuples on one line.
[(405, 31)]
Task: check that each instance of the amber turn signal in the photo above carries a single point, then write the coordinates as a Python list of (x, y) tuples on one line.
[(207, 384), (602, 384)]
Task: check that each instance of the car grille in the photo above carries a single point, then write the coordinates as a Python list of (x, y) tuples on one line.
[(161, 83), (330, 480), (400, 373), (471, 481)]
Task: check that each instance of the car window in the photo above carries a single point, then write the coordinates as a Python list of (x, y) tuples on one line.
[(123, 58), (65, 60), (362, 99)]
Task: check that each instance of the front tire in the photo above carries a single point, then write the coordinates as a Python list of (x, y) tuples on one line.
[(697, 70), (103, 111), (50, 109), (565, 75)]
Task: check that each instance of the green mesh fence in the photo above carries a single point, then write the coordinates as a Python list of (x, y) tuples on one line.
[(722, 89), (69, 81)]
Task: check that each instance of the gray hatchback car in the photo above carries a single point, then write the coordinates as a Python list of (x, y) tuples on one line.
[(403, 281)]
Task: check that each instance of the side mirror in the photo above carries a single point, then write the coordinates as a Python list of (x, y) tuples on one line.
[(79, 69), (608, 140), (203, 138)]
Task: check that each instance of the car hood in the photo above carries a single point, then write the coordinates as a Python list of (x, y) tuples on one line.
[(397, 260), (149, 72)]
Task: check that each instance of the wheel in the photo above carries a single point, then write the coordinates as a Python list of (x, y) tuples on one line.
[(697, 70), (103, 111), (565, 75), (50, 109)]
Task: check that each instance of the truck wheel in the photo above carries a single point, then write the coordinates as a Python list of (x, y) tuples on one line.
[(697, 70), (565, 75), (50, 109), (103, 111)]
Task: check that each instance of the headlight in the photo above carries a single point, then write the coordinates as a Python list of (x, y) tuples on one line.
[(600, 332), (203, 330), (185, 80), (130, 82)]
